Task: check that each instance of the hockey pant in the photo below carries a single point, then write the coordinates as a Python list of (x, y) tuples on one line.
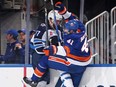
[(59, 63)]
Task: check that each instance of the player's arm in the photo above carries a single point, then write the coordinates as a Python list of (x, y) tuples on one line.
[(62, 10)]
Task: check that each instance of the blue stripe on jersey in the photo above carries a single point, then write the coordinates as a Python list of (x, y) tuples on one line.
[(38, 40), (39, 45)]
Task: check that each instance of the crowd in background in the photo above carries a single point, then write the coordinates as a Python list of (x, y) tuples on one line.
[(15, 50)]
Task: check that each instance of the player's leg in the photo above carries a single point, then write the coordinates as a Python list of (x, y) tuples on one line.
[(46, 77), (54, 62), (66, 79), (38, 73), (59, 83), (38, 82), (76, 77), (61, 64), (76, 73)]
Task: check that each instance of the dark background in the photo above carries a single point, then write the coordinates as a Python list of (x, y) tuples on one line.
[(91, 7)]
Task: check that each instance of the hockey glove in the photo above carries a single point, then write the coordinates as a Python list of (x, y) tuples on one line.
[(51, 50), (63, 11), (60, 8)]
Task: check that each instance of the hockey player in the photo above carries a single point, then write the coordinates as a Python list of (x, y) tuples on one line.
[(38, 42), (62, 10), (71, 58)]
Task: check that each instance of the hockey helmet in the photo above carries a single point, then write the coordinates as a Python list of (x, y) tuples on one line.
[(72, 25), (51, 15)]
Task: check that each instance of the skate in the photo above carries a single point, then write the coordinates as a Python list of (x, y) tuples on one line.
[(28, 82)]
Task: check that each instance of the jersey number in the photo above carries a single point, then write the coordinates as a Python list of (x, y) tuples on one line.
[(37, 33), (70, 41), (84, 47)]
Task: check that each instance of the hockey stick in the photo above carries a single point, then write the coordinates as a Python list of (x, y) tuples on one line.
[(46, 22), (55, 23), (59, 83)]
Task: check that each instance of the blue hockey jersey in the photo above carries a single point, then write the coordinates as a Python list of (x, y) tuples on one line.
[(77, 47)]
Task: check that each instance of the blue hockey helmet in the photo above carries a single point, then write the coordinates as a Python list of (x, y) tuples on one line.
[(72, 25)]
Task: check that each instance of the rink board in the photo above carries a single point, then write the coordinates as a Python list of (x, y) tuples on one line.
[(95, 76)]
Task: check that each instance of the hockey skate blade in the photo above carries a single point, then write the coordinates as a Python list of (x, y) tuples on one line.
[(25, 83)]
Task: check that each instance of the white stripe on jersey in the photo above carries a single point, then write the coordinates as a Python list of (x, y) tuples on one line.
[(75, 62)]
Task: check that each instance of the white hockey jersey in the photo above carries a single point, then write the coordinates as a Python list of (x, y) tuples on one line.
[(39, 39)]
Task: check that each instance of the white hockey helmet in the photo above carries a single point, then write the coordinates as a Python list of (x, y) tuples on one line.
[(51, 15)]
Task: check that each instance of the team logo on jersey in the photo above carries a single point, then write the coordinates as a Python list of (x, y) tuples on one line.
[(51, 33), (71, 24)]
